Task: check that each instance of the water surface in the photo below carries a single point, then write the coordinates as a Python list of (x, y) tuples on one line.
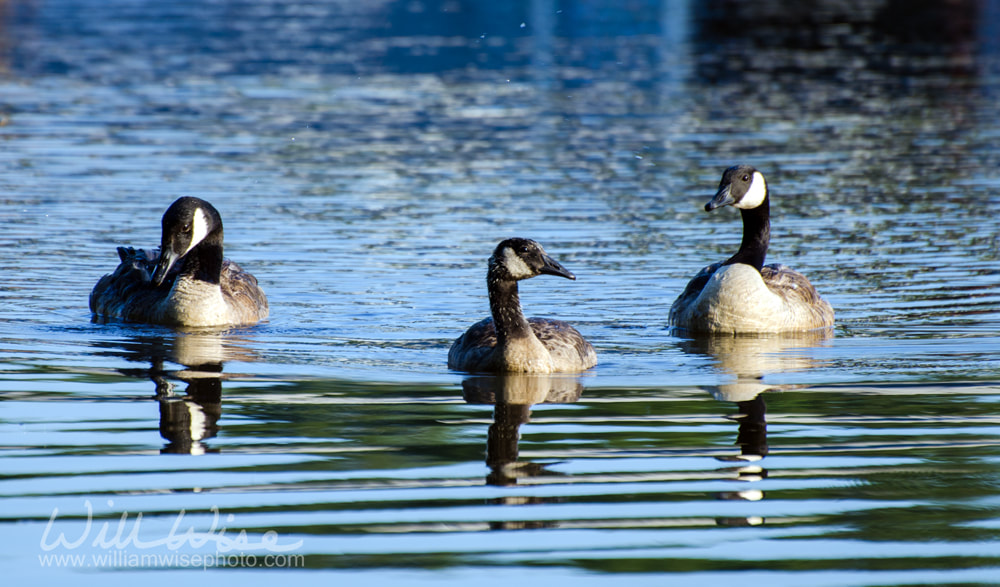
[(367, 157)]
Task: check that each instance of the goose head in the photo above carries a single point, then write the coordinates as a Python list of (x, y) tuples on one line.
[(742, 187), (521, 258), (186, 224)]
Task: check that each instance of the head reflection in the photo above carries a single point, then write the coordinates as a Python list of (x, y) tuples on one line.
[(186, 422)]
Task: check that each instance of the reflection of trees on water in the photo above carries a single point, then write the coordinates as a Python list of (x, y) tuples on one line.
[(747, 360), (188, 419)]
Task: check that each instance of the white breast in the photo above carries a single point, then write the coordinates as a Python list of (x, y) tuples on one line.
[(195, 303), (524, 355), (735, 299)]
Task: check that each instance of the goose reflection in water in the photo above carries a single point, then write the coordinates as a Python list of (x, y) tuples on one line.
[(187, 420), (512, 396), (747, 360)]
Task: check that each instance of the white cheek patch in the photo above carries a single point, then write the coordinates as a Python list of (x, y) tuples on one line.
[(515, 265), (755, 195), (199, 229)]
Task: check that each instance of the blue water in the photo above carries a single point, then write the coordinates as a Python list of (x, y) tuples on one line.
[(367, 157)]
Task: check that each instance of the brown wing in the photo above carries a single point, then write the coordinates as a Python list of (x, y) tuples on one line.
[(242, 293), (565, 343), (798, 292), (128, 289), (470, 351)]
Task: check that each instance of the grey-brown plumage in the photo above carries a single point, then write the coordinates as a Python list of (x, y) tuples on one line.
[(741, 294), (509, 342), (186, 282)]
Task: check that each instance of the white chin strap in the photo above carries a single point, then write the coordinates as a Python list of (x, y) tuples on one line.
[(199, 229), (755, 195), (515, 265)]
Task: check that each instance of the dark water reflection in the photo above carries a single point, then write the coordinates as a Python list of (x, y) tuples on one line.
[(512, 396), (366, 156), (189, 419)]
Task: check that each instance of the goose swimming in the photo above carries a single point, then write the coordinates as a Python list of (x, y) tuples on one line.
[(741, 294), (507, 341), (187, 282)]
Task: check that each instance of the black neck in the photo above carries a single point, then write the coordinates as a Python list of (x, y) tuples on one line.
[(756, 235), (204, 262), (506, 307)]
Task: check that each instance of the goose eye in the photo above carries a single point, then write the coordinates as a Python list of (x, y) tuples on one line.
[(746, 177), (525, 249)]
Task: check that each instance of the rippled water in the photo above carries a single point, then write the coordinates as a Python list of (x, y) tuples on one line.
[(366, 157)]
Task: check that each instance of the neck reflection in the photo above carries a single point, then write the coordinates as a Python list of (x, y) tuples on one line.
[(513, 395)]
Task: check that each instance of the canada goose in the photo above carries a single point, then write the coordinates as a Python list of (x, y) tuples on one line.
[(742, 294), (187, 282), (508, 342)]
